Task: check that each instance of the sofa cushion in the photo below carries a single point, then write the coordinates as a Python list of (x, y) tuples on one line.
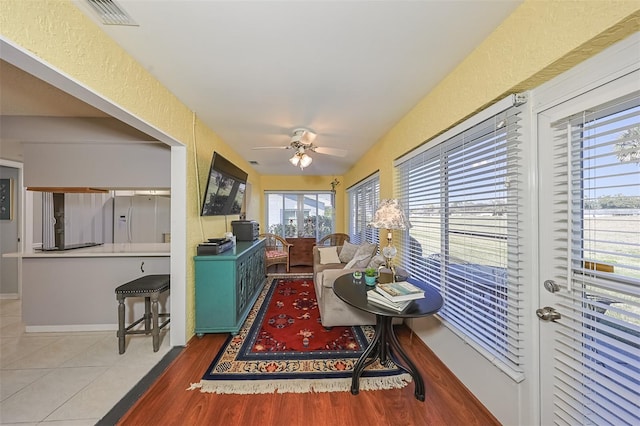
[(328, 255), (328, 276), (348, 251), (275, 254)]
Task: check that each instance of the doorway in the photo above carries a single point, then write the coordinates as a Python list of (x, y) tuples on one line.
[(32, 65), (10, 228)]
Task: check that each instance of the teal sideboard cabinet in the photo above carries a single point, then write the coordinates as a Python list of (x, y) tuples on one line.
[(227, 286)]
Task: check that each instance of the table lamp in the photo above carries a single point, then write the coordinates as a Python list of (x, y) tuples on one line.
[(389, 216)]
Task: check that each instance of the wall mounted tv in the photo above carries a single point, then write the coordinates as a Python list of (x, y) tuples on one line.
[(226, 185)]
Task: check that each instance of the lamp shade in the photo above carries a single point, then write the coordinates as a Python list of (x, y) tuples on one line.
[(294, 160), (390, 215)]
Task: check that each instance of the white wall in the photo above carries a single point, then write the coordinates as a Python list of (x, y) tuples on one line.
[(111, 166)]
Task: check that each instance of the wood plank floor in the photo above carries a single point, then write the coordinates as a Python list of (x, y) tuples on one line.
[(168, 402)]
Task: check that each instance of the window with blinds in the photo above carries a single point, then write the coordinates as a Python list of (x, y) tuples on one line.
[(462, 197), (363, 201), (598, 346)]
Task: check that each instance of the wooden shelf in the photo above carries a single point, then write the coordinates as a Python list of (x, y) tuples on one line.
[(67, 189)]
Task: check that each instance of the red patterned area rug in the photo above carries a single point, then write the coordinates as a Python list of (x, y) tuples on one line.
[(282, 347)]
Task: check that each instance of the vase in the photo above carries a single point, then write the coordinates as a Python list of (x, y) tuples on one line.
[(370, 280)]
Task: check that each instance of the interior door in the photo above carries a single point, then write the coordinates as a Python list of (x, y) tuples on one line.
[(589, 217), (9, 230)]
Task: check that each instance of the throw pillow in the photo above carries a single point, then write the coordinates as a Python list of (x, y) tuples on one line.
[(328, 255), (358, 261), (376, 261), (366, 251), (363, 256), (348, 251)]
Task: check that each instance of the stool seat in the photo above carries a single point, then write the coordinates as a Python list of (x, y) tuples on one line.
[(146, 284), (150, 287)]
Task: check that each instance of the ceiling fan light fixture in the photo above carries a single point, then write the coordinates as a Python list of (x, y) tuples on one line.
[(300, 159), (305, 160)]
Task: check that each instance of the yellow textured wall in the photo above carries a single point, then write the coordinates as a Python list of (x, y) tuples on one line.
[(540, 40), (307, 183), (61, 35)]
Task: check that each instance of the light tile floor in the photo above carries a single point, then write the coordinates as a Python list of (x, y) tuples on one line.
[(65, 379)]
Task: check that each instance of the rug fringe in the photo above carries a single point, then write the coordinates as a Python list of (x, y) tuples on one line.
[(300, 386)]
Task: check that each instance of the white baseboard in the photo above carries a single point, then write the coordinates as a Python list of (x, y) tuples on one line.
[(70, 328), (9, 296)]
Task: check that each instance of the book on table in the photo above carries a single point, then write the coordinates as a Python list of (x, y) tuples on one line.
[(400, 291), (377, 299)]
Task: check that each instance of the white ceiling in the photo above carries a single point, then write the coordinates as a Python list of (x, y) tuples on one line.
[(253, 71)]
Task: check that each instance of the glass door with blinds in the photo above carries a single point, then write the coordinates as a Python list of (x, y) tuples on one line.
[(589, 217), (300, 214)]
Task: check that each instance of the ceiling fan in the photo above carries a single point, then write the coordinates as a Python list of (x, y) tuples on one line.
[(302, 141)]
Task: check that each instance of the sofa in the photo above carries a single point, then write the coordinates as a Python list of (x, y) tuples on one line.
[(331, 262)]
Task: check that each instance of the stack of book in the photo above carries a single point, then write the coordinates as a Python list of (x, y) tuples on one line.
[(395, 296)]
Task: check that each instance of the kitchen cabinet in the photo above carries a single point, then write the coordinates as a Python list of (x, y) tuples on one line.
[(227, 285)]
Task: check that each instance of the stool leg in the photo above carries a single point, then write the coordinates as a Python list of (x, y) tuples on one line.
[(155, 332), (147, 315), (121, 329)]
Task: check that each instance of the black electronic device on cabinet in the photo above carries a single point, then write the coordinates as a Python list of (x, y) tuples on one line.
[(214, 246), (245, 230)]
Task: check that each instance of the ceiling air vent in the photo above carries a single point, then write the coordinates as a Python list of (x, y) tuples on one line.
[(110, 13)]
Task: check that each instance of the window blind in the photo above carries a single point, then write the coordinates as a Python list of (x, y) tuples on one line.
[(597, 380), (462, 197), (363, 202)]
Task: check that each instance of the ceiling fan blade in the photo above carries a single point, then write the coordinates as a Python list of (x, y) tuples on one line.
[(303, 136), (337, 152), (308, 137), (272, 147)]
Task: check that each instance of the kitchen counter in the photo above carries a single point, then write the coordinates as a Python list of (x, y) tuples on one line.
[(104, 250), (74, 290)]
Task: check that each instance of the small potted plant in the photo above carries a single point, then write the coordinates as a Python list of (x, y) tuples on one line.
[(370, 275)]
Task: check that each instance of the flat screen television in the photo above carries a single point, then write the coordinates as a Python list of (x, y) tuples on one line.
[(225, 190)]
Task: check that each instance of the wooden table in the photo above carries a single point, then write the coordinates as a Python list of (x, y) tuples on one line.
[(385, 344)]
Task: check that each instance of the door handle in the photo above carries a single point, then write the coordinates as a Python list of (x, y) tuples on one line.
[(548, 314)]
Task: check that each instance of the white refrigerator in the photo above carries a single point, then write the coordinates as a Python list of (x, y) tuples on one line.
[(141, 219)]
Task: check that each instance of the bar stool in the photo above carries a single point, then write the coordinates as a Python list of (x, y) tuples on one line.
[(150, 287)]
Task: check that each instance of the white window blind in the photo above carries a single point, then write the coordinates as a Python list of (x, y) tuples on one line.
[(462, 198), (598, 346), (363, 201)]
